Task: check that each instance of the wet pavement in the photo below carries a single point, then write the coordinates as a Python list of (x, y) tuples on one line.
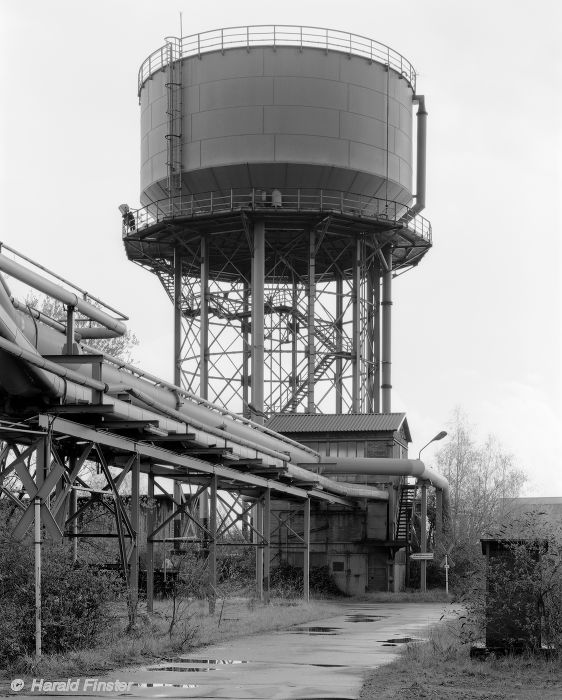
[(328, 658)]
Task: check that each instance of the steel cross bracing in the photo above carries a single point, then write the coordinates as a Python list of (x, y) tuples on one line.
[(49, 459), (321, 309)]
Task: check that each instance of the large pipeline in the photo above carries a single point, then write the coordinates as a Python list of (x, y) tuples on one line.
[(178, 411)]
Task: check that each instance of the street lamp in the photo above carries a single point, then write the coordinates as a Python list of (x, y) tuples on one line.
[(423, 532), (439, 436)]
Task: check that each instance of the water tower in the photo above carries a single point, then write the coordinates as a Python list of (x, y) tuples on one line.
[(277, 204)]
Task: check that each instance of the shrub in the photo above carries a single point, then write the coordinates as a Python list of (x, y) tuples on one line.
[(73, 600), (287, 581), (518, 595)]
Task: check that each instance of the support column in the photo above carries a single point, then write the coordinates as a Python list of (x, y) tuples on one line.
[(37, 509), (306, 551), (135, 524), (178, 498), (339, 345), (423, 537), (204, 322), (72, 505), (294, 344), (150, 545), (259, 547), (204, 516), (70, 330), (267, 545), (438, 517), (42, 456), (356, 330), (311, 349), (246, 352), (258, 283), (386, 334), (177, 317), (213, 546), (377, 338)]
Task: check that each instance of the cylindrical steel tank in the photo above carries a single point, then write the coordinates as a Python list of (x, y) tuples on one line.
[(276, 183), (328, 113)]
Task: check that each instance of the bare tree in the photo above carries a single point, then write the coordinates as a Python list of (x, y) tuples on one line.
[(120, 347), (479, 475)]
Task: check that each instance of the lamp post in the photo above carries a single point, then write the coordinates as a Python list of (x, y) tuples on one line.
[(423, 524), (439, 436)]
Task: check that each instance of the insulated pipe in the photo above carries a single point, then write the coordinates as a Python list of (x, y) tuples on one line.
[(119, 372), (295, 472), (421, 151), (51, 367), (15, 342), (382, 466), (54, 290), (80, 332)]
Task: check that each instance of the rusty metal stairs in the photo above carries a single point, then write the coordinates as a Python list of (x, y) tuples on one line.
[(405, 507)]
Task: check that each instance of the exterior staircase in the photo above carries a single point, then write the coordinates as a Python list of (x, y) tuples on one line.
[(405, 507)]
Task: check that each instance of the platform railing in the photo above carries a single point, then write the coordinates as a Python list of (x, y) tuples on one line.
[(293, 200), (278, 35)]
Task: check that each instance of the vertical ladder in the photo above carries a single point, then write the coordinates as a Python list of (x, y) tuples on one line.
[(174, 114)]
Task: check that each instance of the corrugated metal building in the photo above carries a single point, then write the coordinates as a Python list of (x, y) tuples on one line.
[(358, 546)]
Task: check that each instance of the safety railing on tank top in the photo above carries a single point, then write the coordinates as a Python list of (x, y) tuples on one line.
[(294, 200), (275, 35)]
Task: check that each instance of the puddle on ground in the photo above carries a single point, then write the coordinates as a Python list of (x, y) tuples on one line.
[(314, 630), (358, 617), (389, 645), (191, 669), (164, 685), (214, 662), (327, 665), (402, 640)]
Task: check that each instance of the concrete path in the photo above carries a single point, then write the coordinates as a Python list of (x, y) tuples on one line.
[(321, 659)]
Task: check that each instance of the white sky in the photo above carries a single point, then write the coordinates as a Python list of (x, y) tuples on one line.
[(476, 325)]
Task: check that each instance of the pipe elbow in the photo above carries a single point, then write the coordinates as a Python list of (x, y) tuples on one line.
[(420, 99)]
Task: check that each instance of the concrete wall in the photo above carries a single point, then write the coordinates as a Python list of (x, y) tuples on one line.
[(282, 118)]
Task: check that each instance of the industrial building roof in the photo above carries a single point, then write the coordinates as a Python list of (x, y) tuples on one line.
[(339, 423), (527, 517)]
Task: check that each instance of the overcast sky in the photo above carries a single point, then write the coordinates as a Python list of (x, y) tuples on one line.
[(477, 324)]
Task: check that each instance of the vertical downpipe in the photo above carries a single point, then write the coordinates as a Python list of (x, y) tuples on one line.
[(258, 283), (386, 358)]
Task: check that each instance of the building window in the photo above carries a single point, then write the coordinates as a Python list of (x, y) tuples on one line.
[(337, 566)]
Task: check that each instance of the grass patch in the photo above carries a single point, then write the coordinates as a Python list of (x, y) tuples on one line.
[(151, 640), (441, 669), (435, 595)]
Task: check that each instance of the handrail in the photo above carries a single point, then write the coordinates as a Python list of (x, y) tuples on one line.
[(278, 35), (299, 200)]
